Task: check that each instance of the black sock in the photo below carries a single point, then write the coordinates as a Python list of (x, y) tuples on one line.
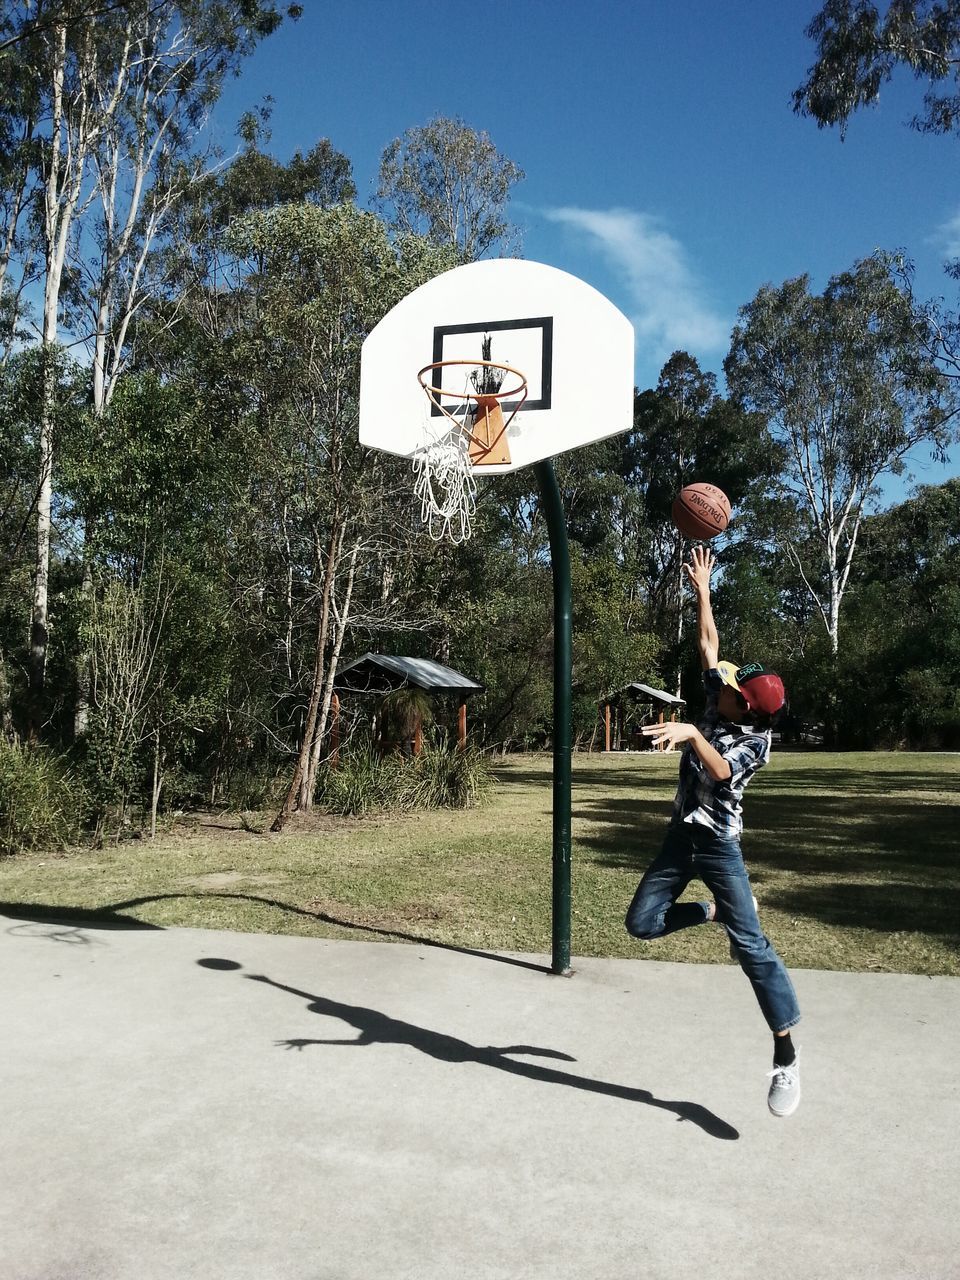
[(784, 1053)]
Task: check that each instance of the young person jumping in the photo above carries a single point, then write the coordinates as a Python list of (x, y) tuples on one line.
[(720, 756)]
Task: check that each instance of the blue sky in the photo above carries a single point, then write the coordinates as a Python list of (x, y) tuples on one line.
[(664, 164)]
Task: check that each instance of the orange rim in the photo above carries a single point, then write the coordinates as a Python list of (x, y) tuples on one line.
[(434, 393)]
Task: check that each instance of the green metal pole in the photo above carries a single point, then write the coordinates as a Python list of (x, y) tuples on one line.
[(562, 715)]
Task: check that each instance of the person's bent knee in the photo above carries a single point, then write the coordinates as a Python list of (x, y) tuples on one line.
[(643, 925)]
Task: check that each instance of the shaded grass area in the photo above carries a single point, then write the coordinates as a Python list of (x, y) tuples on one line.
[(854, 859)]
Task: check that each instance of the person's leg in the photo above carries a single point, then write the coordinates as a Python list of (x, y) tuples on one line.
[(720, 865), (654, 911)]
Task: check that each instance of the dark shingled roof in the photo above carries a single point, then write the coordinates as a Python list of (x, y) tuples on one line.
[(381, 672)]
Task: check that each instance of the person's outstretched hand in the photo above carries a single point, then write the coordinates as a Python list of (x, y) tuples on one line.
[(700, 568), (669, 735)]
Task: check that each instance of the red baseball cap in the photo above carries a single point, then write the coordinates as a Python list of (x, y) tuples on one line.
[(762, 690)]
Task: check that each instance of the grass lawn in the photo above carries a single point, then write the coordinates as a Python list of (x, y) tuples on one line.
[(854, 859)]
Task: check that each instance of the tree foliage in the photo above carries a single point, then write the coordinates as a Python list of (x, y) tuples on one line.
[(449, 183), (847, 384), (100, 113), (684, 432), (859, 49), (897, 680), (219, 542)]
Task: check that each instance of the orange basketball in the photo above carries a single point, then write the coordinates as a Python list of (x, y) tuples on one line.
[(701, 511)]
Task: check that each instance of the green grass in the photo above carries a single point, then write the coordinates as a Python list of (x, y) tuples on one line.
[(853, 858)]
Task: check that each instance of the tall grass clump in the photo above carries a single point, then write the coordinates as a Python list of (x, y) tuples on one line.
[(446, 779), (365, 782), (43, 805)]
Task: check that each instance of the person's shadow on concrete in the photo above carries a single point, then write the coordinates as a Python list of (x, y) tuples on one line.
[(374, 1027)]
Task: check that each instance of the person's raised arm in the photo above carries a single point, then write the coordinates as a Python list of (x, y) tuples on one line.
[(698, 571)]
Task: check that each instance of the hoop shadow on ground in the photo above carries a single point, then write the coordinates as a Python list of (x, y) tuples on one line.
[(111, 917), (374, 1027)]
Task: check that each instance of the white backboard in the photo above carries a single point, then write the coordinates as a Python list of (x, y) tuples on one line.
[(571, 343)]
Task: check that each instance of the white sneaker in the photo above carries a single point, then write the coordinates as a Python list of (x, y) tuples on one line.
[(784, 1096), (734, 954)]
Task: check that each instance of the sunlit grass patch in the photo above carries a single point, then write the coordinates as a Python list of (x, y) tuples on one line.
[(853, 858)]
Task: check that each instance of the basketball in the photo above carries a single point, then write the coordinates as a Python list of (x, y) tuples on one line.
[(701, 511)]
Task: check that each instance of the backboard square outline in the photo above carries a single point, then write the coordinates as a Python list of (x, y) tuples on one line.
[(543, 323)]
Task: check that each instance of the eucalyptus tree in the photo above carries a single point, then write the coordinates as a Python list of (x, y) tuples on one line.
[(200, 279), (24, 380), (849, 388), (859, 50), (902, 630), (18, 179), (202, 332), (115, 92), (685, 431), (314, 283), (172, 60), (448, 183)]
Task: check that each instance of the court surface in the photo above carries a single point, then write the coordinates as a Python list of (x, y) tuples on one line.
[(182, 1103)]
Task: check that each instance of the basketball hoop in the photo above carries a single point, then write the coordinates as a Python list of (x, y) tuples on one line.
[(471, 433), (579, 352)]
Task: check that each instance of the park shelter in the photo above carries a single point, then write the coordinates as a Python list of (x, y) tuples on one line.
[(381, 673), (629, 709)]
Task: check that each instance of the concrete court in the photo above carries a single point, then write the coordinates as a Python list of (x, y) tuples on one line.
[(367, 1109)]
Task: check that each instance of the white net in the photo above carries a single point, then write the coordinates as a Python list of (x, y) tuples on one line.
[(443, 477), (445, 484)]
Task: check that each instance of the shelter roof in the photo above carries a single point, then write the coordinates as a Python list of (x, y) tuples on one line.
[(381, 672), (637, 690)]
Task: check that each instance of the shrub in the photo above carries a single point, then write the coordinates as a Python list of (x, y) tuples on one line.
[(43, 805), (366, 782), (362, 783), (439, 779)]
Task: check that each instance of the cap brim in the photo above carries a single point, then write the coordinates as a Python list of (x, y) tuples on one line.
[(728, 674)]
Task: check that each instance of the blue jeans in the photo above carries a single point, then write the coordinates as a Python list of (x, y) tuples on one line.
[(690, 851)]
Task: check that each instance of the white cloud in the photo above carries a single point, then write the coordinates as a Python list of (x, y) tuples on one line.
[(669, 310), (948, 237)]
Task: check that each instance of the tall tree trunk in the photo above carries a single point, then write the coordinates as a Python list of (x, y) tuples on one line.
[(300, 768), (157, 783), (296, 789), (62, 188), (84, 659), (6, 713), (342, 618), (833, 621), (39, 619)]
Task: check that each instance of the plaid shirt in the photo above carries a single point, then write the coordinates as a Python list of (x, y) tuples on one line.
[(702, 800)]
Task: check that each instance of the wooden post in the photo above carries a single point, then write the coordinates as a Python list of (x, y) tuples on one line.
[(462, 726), (660, 746), (606, 726), (334, 732), (418, 736)]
